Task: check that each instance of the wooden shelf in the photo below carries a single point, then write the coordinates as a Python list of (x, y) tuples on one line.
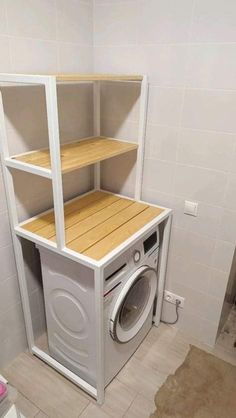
[(98, 77), (96, 223), (80, 153)]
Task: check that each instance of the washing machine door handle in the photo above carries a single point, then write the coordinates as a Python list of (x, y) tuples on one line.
[(133, 304)]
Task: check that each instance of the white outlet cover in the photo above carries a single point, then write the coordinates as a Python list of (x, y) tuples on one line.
[(172, 297), (190, 208)]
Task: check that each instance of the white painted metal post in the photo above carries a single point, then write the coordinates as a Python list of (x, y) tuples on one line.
[(64, 371), (11, 203), (99, 306), (163, 258), (141, 137), (96, 126), (55, 156)]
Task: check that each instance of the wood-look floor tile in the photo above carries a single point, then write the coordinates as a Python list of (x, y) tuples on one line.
[(140, 378), (94, 411), (41, 414), (140, 408), (43, 386), (118, 398), (165, 353), (27, 408)]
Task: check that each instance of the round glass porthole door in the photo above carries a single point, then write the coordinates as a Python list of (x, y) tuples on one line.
[(133, 305)]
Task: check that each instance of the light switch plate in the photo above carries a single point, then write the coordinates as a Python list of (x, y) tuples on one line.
[(190, 208)]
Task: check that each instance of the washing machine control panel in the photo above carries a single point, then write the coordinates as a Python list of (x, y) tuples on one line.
[(144, 251)]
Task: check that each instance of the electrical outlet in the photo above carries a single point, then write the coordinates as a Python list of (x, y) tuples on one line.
[(172, 298)]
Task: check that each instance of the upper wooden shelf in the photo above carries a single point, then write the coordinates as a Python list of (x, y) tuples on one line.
[(98, 77), (79, 154)]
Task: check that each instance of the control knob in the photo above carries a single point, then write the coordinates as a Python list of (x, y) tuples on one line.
[(137, 256)]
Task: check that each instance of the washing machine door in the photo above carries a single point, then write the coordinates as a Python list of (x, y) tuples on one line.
[(133, 304)]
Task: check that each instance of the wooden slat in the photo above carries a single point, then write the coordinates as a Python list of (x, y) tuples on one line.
[(80, 153), (48, 219), (96, 223), (115, 238), (97, 218), (78, 215), (98, 77), (98, 233)]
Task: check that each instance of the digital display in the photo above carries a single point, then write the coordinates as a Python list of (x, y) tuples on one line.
[(150, 242)]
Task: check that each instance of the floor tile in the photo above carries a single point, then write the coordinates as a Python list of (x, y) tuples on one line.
[(94, 411), (41, 414), (140, 408), (164, 353), (140, 378), (118, 398), (43, 386), (27, 408)]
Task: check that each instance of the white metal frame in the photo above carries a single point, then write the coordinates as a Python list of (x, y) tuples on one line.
[(49, 83)]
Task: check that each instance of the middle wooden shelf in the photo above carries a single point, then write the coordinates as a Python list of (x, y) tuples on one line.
[(78, 154)]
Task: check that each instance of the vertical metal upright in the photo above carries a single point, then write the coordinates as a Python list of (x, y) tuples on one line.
[(97, 127), (55, 157), (141, 137)]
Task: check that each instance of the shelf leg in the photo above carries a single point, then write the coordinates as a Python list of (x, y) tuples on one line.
[(97, 127), (163, 258), (98, 293), (55, 156), (141, 137)]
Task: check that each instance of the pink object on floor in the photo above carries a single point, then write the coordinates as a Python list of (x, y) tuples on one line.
[(3, 390)]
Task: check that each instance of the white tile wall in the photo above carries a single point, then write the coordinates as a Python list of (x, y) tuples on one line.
[(211, 110), (165, 106), (212, 66), (115, 23), (199, 184), (38, 36), (33, 19), (75, 21), (214, 21), (171, 61), (33, 55), (208, 149), (164, 21), (188, 50)]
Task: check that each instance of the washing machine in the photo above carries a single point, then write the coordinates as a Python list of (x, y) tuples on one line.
[(131, 285), (130, 293)]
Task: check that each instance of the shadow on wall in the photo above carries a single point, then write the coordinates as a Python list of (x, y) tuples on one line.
[(26, 122), (26, 118), (119, 119), (33, 276), (230, 294)]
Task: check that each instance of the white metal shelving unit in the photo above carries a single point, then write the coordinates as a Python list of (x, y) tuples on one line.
[(51, 164)]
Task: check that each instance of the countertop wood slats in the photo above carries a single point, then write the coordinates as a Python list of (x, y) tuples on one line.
[(96, 223), (80, 153)]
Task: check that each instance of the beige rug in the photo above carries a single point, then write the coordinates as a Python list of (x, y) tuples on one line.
[(202, 387)]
